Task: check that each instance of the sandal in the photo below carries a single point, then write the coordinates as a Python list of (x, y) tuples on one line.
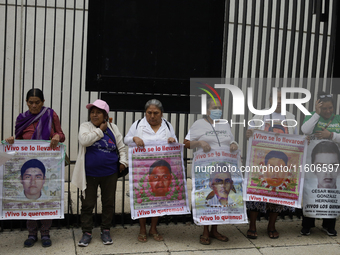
[(142, 238), (254, 234), (204, 240), (157, 237), (219, 237), (272, 235)]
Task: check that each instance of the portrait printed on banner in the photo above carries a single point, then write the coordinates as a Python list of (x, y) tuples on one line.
[(222, 184), (33, 175), (158, 180), (276, 175), (326, 154)]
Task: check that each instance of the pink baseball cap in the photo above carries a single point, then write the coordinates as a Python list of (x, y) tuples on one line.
[(99, 104)]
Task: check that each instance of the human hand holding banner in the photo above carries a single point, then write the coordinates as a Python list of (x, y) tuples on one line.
[(32, 181)]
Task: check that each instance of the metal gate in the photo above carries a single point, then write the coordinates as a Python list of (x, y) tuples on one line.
[(44, 45)]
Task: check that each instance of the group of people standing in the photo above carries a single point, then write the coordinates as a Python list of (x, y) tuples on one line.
[(102, 155)]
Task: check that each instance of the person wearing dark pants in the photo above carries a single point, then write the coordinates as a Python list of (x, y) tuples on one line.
[(108, 189), (38, 123), (102, 154)]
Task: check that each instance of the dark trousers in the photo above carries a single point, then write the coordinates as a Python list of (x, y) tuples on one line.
[(310, 223), (108, 193), (32, 226)]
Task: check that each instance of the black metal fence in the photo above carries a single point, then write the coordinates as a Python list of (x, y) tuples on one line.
[(44, 46)]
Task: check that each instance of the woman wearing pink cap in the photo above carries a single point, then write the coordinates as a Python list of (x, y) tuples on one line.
[(101, 146)]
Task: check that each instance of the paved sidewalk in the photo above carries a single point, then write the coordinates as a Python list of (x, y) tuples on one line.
[(182, 239)]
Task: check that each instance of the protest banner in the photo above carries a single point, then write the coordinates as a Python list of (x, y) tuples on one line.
[(157, 181), (321, 194), (217, 193), (274, 168), (32, 181)]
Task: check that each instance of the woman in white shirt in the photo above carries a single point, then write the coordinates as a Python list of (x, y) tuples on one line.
[(152, 128), (203, 136)]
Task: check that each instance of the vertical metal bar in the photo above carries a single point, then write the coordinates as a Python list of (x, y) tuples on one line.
[(284, 40), (267, 48), (251, 46), (34, 41), (24, 59), (63, 63), (308, 41), (259, 44), (53, 51), (300, 38), (292, 40), (250, 61), (233, 57), (316, 42), (324, 50), (123, 191), (267, 54), (332, 40), (70, 112), (243, 37), (235, 41), (185, 153), (226, 31), (80, 90), (276, 38), (44, 49), (307, 53), (4, 70), (14, 62)]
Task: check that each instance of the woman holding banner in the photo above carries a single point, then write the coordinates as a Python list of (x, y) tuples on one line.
[(270, 123), (322, 124), (203, 136), (151, 129), (38, 123), (101, 155)]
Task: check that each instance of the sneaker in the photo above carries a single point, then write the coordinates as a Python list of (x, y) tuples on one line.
[(330, 232), (30, 241), (105, 235), (85, 240), (305, 231), (46, 241)]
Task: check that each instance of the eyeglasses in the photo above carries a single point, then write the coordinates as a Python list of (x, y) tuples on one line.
[(324, 96), (221, 181)]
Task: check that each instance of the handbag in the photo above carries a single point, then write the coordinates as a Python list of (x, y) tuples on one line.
[(126, 170)]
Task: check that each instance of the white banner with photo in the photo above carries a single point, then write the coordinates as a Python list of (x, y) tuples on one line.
[(32, 181), (217, 188), (321, 193), (157, 181)]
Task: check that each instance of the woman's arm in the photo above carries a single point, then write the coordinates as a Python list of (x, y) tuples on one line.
[(172, 134), (88, 134), (56, 130), (308, 127)]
